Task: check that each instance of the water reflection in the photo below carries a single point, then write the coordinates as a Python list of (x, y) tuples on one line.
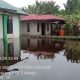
[(42, 48), (47, 48), (59, 55), (9, 55), (72, 51), (10, 50)]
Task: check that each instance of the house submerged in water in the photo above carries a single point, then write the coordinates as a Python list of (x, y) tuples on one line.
[(40, 24), (9, 20)]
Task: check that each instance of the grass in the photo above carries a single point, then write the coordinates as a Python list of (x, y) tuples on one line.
[(53, 37)]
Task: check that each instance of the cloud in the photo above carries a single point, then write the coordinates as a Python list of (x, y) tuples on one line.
[(22, 3)]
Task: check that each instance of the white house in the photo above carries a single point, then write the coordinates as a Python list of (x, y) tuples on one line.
[(9, 20), (39, 24)]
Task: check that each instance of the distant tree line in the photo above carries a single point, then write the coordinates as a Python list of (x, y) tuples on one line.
[(42, 7), (50, 7), (71, 12)]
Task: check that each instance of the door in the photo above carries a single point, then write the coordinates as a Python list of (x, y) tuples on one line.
[(43, 28)]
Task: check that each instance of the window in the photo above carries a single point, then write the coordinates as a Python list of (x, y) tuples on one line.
[(37, 27), (9, 25), (47, 26), (28, 27)]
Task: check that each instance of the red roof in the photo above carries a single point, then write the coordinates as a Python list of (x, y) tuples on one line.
[(40, 17)]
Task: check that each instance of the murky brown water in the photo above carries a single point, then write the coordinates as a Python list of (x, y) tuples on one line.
[(40, 59)]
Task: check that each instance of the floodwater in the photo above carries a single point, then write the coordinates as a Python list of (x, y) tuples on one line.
[(39, 59)]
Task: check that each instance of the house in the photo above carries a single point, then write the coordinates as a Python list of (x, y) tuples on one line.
[(39, 24), (9, 20)]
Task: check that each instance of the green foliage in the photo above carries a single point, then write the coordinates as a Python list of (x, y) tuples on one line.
[(71, 12), (71, 24), (72, 51), (72, 6), (42, 7)]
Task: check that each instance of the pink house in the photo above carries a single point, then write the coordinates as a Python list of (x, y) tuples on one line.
[(39, 24)]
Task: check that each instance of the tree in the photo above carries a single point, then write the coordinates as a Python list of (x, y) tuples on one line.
[(42, 7), (72, 6)]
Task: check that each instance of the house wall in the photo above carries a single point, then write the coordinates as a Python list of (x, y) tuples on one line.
[(33, 28), (1, 48), (47, 32), (1, 27), (16, 27), (16, 46), (15, 50), (23, 28)]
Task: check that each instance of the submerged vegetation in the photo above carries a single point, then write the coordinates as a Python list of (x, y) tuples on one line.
[(72, 51), (71, 13)]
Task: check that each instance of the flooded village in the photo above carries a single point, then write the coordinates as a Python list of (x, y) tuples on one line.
[(38, 46)]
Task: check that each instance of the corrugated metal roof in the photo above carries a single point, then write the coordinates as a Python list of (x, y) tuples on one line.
[(40, 17), (6, 6)]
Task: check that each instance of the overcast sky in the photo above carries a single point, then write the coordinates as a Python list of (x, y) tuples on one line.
[(22, 3)]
